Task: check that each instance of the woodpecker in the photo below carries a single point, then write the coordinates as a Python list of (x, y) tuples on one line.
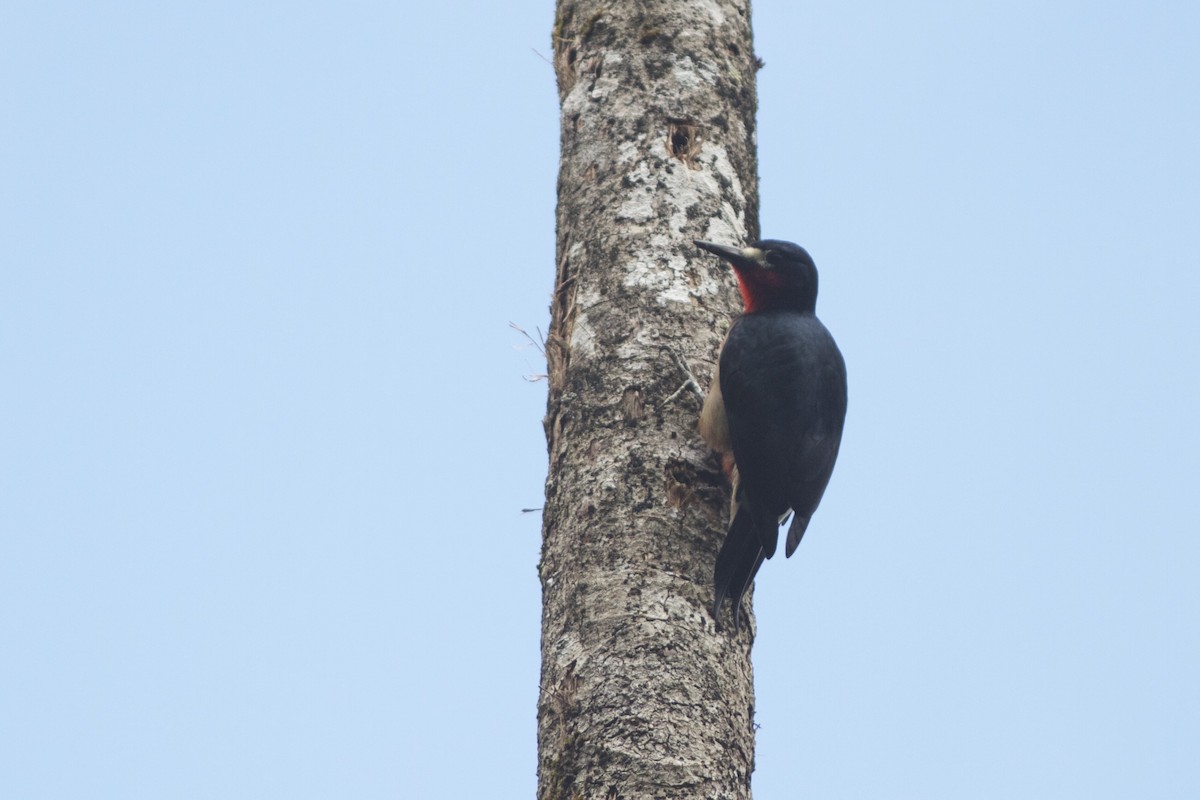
[(775, 409)]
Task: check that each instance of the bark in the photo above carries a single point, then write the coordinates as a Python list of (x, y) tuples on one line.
[(640, 696)]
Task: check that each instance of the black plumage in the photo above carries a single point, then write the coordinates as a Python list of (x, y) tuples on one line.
[(782, 392)]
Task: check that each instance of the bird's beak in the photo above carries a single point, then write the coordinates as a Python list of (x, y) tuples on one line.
[(747, 257)]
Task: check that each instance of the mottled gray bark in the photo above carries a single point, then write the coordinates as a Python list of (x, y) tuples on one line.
[(640, 696)]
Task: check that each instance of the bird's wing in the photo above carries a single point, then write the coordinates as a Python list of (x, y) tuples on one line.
[(783, 383)]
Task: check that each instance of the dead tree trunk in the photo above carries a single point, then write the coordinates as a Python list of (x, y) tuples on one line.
[(640, 696)]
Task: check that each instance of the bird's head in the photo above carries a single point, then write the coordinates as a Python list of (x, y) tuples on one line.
[(771, 274)]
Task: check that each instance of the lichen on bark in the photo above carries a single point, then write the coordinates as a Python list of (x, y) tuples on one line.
[(640, 696)]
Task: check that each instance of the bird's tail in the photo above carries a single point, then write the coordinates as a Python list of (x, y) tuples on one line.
[(737, 563)]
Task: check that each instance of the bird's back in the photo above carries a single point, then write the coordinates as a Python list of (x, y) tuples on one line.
[(784, 386)]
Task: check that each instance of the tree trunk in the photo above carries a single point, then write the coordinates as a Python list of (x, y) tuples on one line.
[(640, 696)]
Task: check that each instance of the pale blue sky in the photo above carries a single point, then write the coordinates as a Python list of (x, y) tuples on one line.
[(266, 437)]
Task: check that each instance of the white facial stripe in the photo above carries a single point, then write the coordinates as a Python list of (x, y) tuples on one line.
[(754, 254)]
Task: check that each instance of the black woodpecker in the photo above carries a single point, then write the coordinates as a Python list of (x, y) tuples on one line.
[(775, 410)]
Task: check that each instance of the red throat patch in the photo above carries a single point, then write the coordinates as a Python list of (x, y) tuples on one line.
[(756, 285)]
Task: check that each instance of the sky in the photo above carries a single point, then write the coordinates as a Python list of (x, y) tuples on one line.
[(267, 434)]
